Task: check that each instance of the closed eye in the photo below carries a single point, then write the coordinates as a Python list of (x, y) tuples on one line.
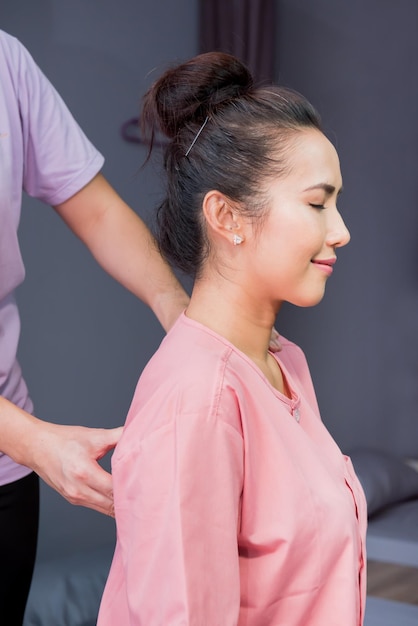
[(317, 206)]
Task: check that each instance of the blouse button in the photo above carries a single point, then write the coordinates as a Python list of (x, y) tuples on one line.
[(296, 414)]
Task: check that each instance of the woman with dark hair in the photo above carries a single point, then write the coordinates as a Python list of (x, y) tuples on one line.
[(233, 503)]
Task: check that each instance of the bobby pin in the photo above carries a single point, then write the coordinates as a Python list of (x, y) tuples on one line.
[(197, 135)]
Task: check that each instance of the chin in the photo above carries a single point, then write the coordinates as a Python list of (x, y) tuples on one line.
[(308, 301)]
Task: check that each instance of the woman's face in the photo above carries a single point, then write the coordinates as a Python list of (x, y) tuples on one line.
[(292, 256)]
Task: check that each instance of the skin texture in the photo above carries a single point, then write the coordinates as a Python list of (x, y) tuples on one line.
[(276, 261)]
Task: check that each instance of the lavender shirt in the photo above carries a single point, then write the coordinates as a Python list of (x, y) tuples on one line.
[(43, 152)]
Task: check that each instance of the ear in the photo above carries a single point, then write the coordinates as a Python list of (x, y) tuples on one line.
[(222, 217)]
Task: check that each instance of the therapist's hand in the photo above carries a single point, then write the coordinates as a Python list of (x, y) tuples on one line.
[(275, 345), (65, 457)]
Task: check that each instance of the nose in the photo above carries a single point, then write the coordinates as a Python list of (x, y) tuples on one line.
[(338, 233)]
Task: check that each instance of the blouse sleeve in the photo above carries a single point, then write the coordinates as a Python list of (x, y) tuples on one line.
[(177, 501)]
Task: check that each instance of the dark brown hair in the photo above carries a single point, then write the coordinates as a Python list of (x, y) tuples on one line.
[(242, 143)]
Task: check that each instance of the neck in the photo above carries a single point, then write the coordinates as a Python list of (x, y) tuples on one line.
[(233, 314)]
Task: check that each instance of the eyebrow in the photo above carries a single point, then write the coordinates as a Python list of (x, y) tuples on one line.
[(329, 189)]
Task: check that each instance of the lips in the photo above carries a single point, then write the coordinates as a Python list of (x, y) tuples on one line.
[(326, 265), (329, 262)]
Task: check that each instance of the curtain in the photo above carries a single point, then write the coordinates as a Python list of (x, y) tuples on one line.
[(244, 28)]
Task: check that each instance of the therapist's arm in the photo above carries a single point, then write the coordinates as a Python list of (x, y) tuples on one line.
[(122, 244)]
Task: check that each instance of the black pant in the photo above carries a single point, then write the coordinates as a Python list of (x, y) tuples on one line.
[(19, 516)]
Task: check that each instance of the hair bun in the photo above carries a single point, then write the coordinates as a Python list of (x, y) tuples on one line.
[(189, 92)]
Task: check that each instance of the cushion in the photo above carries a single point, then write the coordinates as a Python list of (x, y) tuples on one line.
[(382, 612), (68, 590), (385, 478), (392, 535)]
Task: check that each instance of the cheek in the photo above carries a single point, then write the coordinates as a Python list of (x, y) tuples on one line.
[(299, 222), (304, 237), (312, 233), (290, 241)]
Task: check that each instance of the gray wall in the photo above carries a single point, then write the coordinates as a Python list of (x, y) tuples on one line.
[(85, 340), (358, 63)]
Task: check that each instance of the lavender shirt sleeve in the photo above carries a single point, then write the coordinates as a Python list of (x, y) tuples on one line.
[(58, 158)]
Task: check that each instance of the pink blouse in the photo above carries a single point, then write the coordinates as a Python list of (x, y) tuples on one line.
[(234, 506)]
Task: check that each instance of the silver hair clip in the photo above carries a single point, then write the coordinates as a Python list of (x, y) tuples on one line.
[(197, 135)]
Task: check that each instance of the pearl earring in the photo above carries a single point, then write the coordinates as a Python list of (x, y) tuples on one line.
[(237, 239)]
